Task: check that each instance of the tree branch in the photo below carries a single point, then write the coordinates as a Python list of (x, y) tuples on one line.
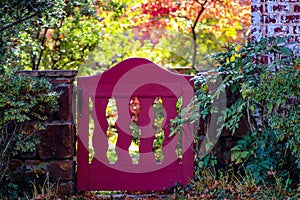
[(34, 55), (199, 14), (184, 17), (195, 34), (42, 50), (199, 2), (18, 22)]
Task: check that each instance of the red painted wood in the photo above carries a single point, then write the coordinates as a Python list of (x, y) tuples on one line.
[(145, 80)]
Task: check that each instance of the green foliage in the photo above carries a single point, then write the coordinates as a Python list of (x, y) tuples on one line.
[(159, 117), (71, 44), (24, 16), (209, 161), (246, 76), (271, 97), (266, 94), (297, 61), (24, 103), (264, 156), (20, 95), (49, 34)]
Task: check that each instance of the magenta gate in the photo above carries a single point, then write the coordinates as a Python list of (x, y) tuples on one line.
[(145, 82)]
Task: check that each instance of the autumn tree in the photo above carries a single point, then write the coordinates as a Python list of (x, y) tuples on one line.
[(94, 35), (210, 23)]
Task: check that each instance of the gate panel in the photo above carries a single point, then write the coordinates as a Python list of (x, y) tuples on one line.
[(145, 80)]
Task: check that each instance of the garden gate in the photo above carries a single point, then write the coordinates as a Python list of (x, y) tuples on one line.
[(135, 84)]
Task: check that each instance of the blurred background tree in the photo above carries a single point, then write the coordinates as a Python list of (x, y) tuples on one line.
[(195, 28), (20, 18), (91, 36)]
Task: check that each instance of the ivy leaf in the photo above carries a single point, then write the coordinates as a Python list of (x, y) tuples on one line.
[(269, 106)]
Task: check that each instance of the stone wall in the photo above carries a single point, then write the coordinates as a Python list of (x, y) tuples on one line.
[(55, 155)]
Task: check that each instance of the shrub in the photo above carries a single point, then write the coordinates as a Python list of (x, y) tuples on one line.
[(24, 104), (266, 88), (273, 147)]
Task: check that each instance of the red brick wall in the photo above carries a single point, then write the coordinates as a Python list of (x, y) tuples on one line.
[(276, 18)]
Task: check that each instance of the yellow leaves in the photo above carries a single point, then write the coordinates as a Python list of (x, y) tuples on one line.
[(159, 100), (297, 66), (112, 137), (232, 16), (231, 32)]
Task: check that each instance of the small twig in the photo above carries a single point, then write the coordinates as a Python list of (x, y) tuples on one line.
[(9, 140), (249, 119), (185, 17), (5, 169)]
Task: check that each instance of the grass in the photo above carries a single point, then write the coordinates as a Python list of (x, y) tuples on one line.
[(207, 184)]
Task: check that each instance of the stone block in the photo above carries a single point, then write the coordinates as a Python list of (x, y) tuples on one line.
[(57, 141), (15, 164), (66, 188), (34, 168), (28, 170), (57, 81), (65, 104), (27, 155), (61, 170)]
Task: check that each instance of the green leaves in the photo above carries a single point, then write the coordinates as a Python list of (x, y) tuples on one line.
[(22, 97), (270, 96), (264, 94), (209, 160), (24, 103), (37, 42)]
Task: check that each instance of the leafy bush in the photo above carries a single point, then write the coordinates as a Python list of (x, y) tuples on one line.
[(24, 104), (268, 97), (274, 146), (262, 79)]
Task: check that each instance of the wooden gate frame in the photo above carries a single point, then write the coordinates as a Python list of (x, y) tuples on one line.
[(146, 80)]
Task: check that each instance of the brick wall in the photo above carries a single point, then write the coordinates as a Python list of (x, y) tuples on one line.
[(56, 152), (276, 18)]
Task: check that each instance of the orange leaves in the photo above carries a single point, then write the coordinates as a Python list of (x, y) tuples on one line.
[(222, 18), (134, 108)]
